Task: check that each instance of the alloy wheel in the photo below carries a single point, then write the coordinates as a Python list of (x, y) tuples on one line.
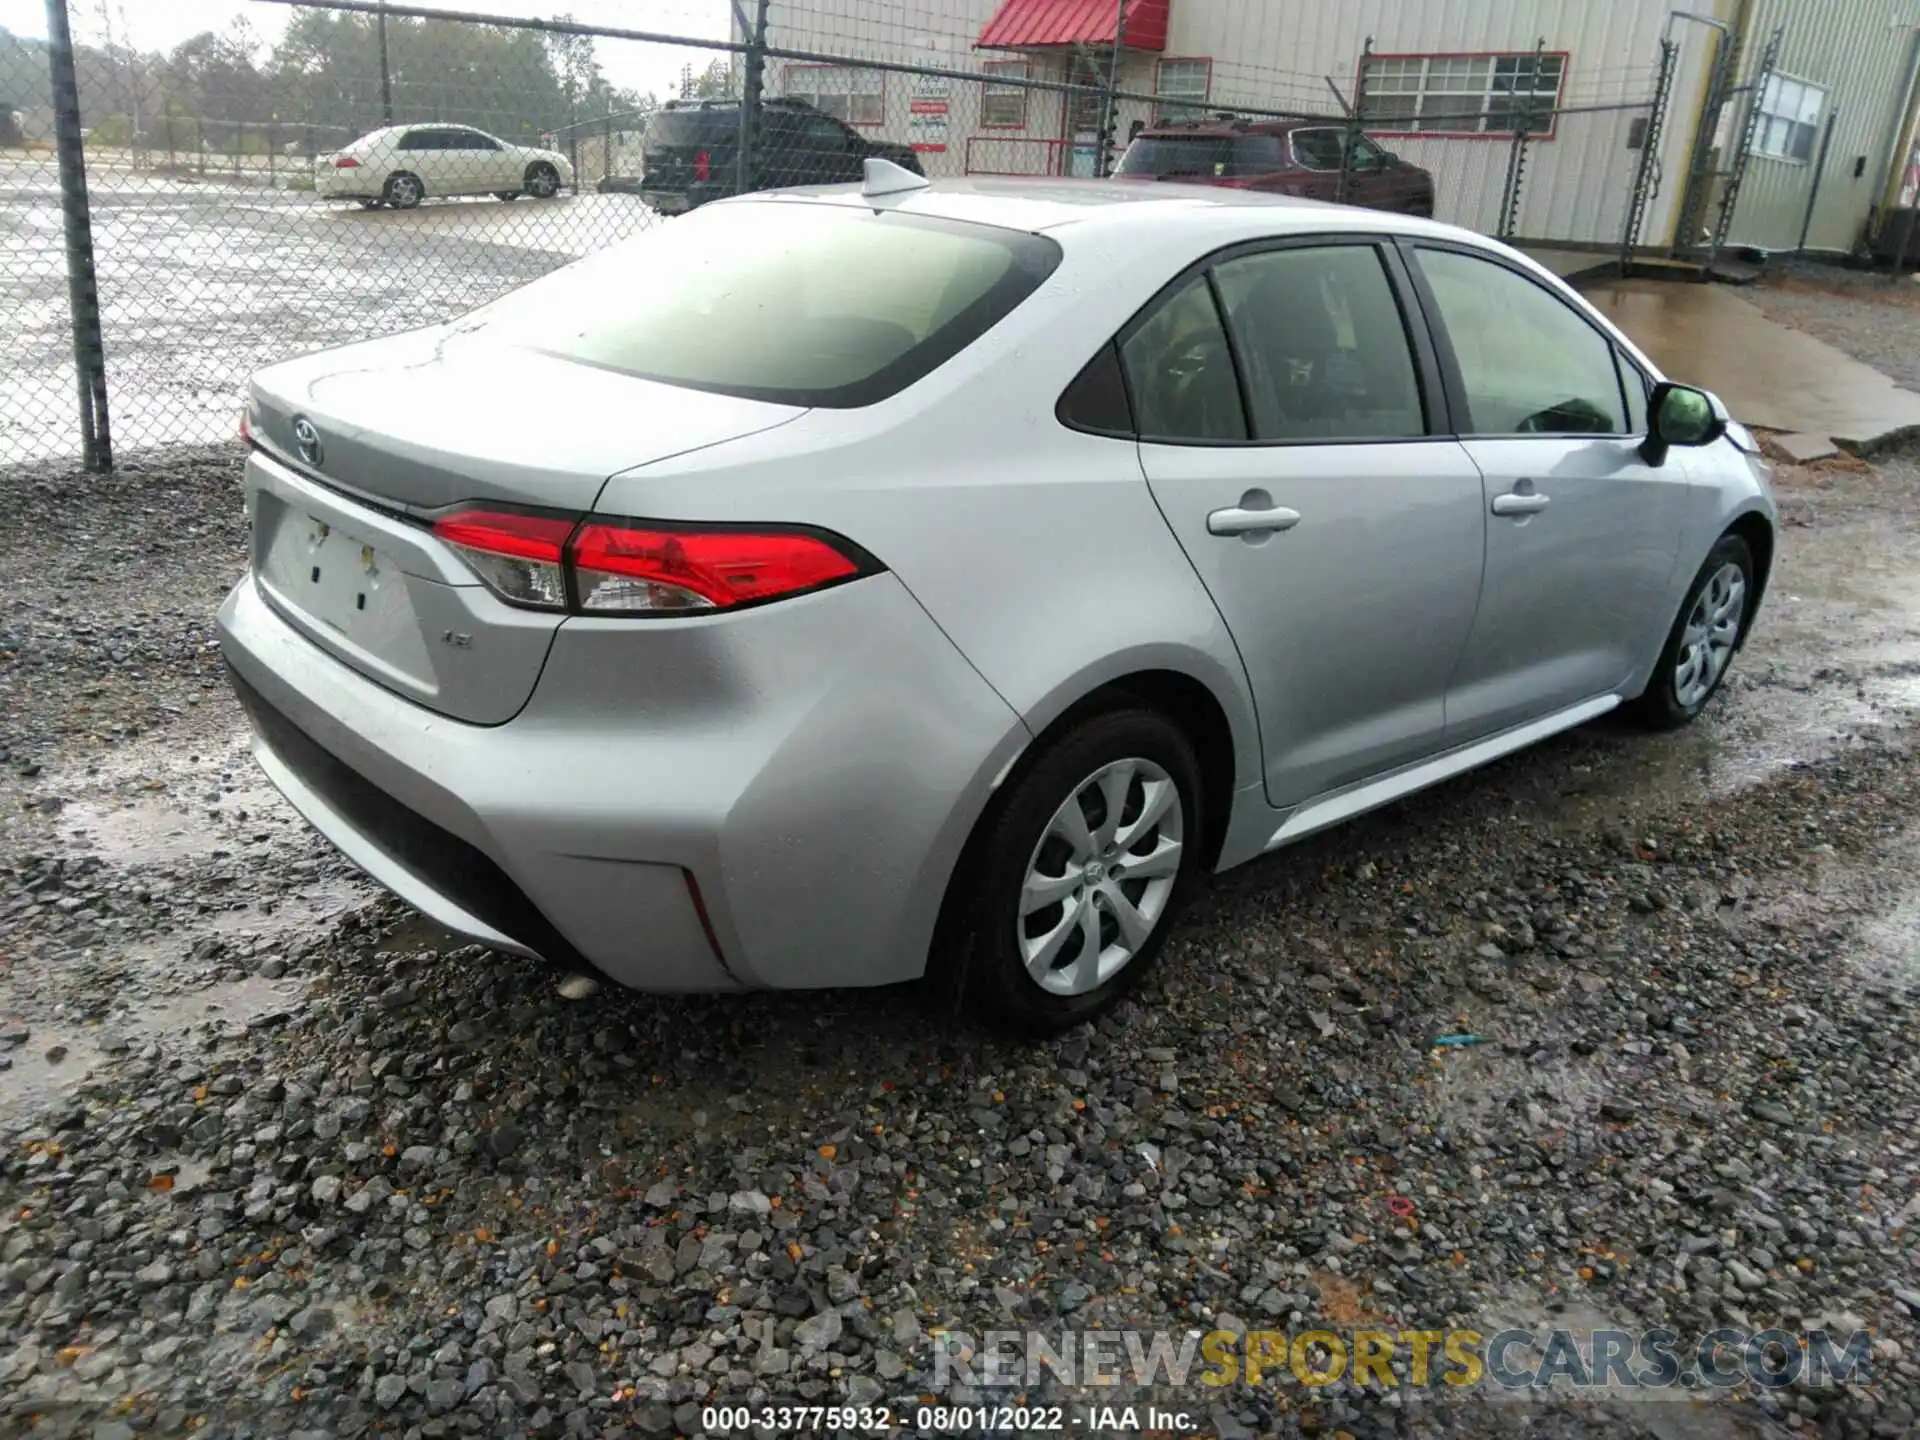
[(1101, 877), (1712, 631)]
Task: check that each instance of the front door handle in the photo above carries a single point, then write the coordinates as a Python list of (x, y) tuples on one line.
[(1256, 514), (1523, 499)]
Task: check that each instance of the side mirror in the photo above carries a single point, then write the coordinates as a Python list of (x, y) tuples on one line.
[(1681, 415)]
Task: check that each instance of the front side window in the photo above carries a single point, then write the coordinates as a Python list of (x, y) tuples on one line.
[(846, 92), (1318, 149), (1529, 363), (823, 136), (1463, 94), (794, 303), (1180, 90), (1789, 120), (1322, 345), (1180, 371)]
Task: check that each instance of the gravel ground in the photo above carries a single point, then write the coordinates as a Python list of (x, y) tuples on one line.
[(279, 1158), (1859, 312)]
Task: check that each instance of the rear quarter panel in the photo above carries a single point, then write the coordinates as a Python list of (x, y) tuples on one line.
[(1037, 549)]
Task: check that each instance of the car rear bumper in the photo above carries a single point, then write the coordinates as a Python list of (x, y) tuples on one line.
[(332, 184), (806, 774)]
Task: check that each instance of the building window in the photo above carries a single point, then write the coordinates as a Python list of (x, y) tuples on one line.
[(1180, 90), (1004, 107), (1789, 119), (1463, 94), (846, 92)]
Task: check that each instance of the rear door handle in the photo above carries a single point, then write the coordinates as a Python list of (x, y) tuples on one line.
[(1521, 504), (1263, 521)]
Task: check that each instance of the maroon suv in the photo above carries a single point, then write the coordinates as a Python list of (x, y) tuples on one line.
[(1286, 157)]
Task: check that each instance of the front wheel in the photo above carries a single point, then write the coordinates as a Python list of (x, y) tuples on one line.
[(1071, 888), (1700, 646), (543, 181)]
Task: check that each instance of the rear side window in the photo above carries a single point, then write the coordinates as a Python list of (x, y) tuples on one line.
[(797, 304), (1180, 371), (1202, 156), (1322, 344)]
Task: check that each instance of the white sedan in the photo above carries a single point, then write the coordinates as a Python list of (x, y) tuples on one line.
[(404, 164)]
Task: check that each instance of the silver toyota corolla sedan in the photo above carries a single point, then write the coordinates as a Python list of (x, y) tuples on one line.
[(831, 580)]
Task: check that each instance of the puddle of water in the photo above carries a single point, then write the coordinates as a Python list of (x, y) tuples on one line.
[(32, 1077), (141, 832), (1888, 950)]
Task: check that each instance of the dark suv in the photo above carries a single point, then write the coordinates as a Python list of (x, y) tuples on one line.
[(1287, 157), (692, 149)]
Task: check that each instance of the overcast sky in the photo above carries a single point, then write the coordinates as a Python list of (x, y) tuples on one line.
[(163, 24)]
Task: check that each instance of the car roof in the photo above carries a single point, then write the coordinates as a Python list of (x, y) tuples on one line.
[(1219, 214)]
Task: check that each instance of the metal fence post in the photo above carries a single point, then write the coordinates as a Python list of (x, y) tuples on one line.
[(1356, 120), (386, 70), (753, 76), (1651, 140), (1517, 160), (1109, 119), (83, 296), (1819, 170)]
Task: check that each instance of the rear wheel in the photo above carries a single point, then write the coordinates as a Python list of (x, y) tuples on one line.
[(403, 191), (543, 181), (1701, 644), (370, 204), (1070, 889)]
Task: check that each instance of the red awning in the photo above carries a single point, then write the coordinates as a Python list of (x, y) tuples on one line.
[(1038, 24)]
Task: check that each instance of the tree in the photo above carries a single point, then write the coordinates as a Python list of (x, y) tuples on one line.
[(713, 83)]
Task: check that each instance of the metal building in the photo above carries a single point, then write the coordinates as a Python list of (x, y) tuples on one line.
[(1446, 84)]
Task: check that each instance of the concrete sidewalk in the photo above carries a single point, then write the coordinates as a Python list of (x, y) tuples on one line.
[(1771, 376)]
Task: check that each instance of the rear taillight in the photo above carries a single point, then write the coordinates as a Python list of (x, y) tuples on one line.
[(246, 429), (345, 162), (703, 166), (520, 557), (603, 568), (621, 571)]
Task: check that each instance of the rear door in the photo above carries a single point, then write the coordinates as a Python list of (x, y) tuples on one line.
[(1582, 534), (430, 152), (1293, 432)]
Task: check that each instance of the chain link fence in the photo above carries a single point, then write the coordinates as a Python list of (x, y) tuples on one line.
[(379, 167)]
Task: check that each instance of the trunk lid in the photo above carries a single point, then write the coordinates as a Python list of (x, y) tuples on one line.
[(416, 425)]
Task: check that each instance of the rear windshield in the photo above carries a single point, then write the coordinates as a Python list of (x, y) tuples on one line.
[(691, 127), (1218, 156), (790, 302)]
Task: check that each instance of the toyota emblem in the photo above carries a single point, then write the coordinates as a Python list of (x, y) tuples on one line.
[(307, 440)]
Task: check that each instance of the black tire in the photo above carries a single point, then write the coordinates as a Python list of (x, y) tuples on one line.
[(506, 194), (543, 181), (985, 920), (1662, 706), (403, 190), (371, 204)]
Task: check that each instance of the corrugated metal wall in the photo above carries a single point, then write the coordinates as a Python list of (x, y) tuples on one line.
[(1860, 51), (1280, 53)]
